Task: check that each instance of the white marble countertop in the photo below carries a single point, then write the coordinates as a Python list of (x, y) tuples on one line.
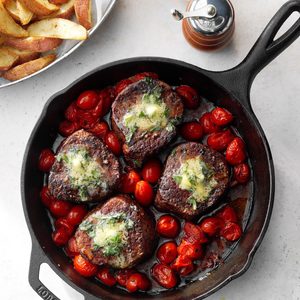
[(141, 28)]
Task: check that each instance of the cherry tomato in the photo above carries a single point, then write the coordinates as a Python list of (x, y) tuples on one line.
[(167, 252), (63, 223), (145, 283), (194, 233), (227, 214), (71, 112), (193, 251), (105, 276), (71, 248), (144, 193), (152, 170), (98, 111), (183, 265), (207, 124), (168, 226), (220, 140), (189, 96), (106, 96), (46, 160), (66, 128), (60, 237), (191, 131), (113, 143), (211, 225), (241, 173), (138, 281), (221, 116), (100, 129), (87, 100), (121, 85), (60, 208), (235, 153), (46, 196), (164, 275), (231, 232), (76, 214), (129, 181), (122, 276), (86, 119), (143, 75), (84, 267)]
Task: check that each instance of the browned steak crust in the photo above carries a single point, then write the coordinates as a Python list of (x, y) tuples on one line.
[(141, 236), (144, 144), (173, 199), (60, 183)]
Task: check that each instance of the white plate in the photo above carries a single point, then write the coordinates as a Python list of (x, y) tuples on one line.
[(101, 8)]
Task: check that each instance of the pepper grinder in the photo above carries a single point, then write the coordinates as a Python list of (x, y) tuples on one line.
[(207, 24)]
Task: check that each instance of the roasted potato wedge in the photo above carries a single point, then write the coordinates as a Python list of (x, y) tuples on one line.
[(8, 26), (40, 7), (35, 44), (23, 55), (28, 68), (25, 14), (11, 7), (66, 11), (57, 28), (83, 11), (7, 59), (2, 39)]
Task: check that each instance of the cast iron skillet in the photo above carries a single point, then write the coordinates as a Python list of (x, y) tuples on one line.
[(231, 89)]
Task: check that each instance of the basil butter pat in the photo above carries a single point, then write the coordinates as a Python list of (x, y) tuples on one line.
[(195, 176)]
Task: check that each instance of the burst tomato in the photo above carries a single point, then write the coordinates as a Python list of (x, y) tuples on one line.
[(105, 276), (84, 267), (164, 275), (241, 173), (211, 225), (138, 281), (100, 129), (168, 226), (122, 276), (60, 208), (129, 181), (71, 112), (183, 265), (71, 248), (220, 140), (87, 100), (167, 252), (46, 160), (194, 233), (189, 96), (106, 96), (193, 251), (152, 170), (63, 223), (121, 85), (191, 131), (113, 143), (60, 237), (66, 128), (231, 232), (76, 214), (235, 153), (144, 193), (221, 116), (86, 119), (207, 124), (46, 196), (227, 214)]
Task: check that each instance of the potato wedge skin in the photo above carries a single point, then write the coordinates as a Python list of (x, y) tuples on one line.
[(7, 59), (28, 68), (40, 7), (35, 44), (58, 1), (24, 55), (8, 26), (57, 28), (83, 11)]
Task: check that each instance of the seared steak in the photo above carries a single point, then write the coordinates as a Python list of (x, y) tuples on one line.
[(85, 169), (194, 178), (118, 233), (144, 116)]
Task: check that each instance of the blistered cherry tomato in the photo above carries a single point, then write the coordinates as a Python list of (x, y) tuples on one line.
[(189, 96), (138, 281), (105, 276), (143, 75), (168, 226), (121, 85), (71, 248), (207, 124), (144, 193), (113, 143), (191, 131), (193, 251), (63, 223), (84, 267), (152, 170), (231, 232), (98, 111), (194, 234), (46, 160), (221, 116), (86, 119), (145, 283), (60, 237), (129, 181), (227, 214), (76, 214), (220, 140), (46, 196), (66, 128), (100, 129), (183, 265), (60, 208), (167, 252), (122, 276), (87, 100), (164, 275), (241, 173), (106, 96), (71, 112), (211, 225), (235, 153)]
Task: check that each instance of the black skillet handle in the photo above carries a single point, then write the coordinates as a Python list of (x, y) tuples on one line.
[(239, 79), (36, 259)]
